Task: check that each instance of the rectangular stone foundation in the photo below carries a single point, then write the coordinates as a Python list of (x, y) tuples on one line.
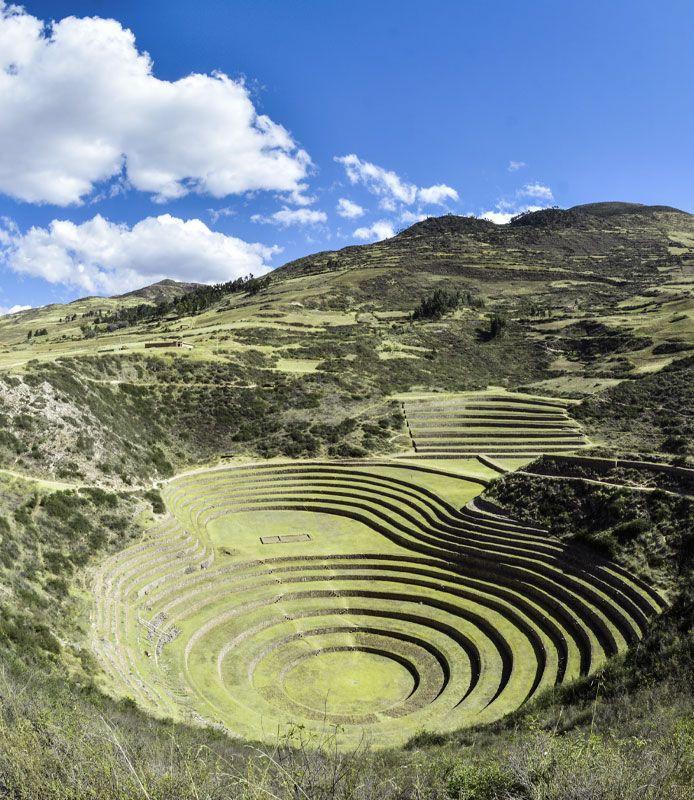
[(287, 538)]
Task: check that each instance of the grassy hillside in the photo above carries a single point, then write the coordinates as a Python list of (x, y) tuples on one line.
[(294, 521), (588, 296)]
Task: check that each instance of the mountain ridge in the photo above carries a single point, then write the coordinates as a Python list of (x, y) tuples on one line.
[(166, 289), (447, 224)]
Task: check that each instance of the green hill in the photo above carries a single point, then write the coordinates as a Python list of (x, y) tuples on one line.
[(404, 520)]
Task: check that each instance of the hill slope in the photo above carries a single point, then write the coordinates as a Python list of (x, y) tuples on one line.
[(352, 409), (567, 302)]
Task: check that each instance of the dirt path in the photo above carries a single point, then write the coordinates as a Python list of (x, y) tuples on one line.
[(42, 481), (62, 485), (632, 487)]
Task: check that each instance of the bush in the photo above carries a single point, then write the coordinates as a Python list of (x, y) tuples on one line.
[(154, 497), (482, 782), (346, 450), (161, 463), (497, 324)]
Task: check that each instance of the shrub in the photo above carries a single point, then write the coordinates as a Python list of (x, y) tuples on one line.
[(161, 463), (481, 782), (346, 450), (154, 497), (497, 324)]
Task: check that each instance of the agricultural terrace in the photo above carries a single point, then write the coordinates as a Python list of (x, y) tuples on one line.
[(504, 424), (377, 596)]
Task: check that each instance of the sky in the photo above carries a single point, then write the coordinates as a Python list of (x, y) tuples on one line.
[(206, 140)]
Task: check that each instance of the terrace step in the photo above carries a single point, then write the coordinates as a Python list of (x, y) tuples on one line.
[(467, 612)]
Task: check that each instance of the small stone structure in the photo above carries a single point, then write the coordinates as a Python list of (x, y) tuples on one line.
[(287, 538)]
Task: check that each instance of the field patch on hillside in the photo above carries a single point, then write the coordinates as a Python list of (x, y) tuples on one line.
[(504, 424)]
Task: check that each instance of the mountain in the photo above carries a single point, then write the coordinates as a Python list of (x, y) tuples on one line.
[(581, 299), (600, 243), (161, 291)]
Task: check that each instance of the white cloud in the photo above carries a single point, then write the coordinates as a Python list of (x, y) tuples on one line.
[(348, 209), (292, 216), (217, 213), (379, 230), (79, 105), (379, 181), (514, 166), (298, 196), (13, 309), (390, 187), (500, 217), (505, 209), (437, 195), (497, 217), (538, 190), (102, 257)]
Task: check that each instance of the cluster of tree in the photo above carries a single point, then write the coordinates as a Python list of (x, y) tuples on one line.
[(194, 302), (442, 301), (38, 332), (533, 309), (88, 332)]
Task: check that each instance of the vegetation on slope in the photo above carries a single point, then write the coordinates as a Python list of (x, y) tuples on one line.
[(192, 302), (652, 414), (47, 538), (650, 532), (57, 744), (442, 301), (123, 420)]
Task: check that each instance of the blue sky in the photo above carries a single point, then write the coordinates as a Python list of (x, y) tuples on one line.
[(114, 172)]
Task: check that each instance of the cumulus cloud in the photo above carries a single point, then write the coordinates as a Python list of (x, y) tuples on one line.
[(537, 190), (514, 166), (4, 311), (390, 187), (373, 233), (79, 105), (436, 195), (298, 196), (102, 257), (348, 209), (292, 216)]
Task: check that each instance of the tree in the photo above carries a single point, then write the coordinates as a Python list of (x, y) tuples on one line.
[(255, 285), (497, 323)]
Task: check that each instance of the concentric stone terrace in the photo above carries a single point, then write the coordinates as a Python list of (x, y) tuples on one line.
[(385, 600), (501, 424)]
